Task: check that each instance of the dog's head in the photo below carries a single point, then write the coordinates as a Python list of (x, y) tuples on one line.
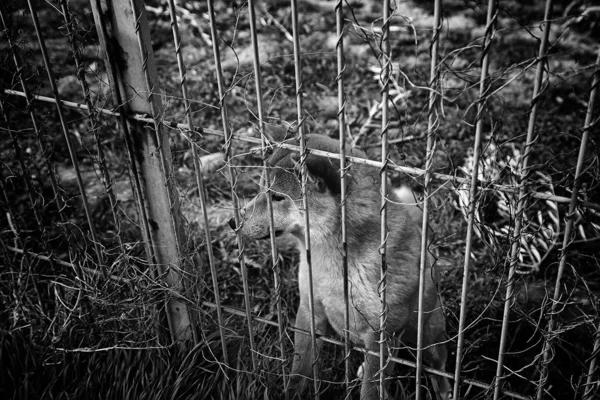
[(323, 190)]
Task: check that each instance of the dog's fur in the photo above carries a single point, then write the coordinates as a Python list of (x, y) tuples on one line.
[(364, 260)]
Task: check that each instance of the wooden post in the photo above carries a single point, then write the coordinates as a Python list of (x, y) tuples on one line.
[(125, 40)]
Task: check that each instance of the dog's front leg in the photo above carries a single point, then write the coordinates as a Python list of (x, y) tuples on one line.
[(304, 359), (370, 388)]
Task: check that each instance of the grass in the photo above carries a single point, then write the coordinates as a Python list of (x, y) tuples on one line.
[(68, 333)]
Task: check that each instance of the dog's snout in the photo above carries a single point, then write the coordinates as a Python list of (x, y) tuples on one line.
[(232, 223)]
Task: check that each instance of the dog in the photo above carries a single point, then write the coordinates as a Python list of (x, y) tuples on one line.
[(363, 204)]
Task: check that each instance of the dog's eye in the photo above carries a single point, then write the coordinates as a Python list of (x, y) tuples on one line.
[(277, 196)]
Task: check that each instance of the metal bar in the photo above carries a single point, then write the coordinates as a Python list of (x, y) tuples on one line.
[(432, 124), (267, 181), (304, 176), (523, 195), (547, 349), (414, 172), (589, 383), (231, 175), (341, 67), (65, 130), (149, 153), (198, 172), (93, 120), (385, 61), (483, 87), (398, 360)]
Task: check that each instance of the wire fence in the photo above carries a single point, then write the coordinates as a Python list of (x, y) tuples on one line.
[(131, 132)]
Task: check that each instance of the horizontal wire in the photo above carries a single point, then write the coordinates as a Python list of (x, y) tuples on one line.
[(415, 172)]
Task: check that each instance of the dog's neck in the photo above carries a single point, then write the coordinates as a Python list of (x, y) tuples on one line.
[(363, 226)]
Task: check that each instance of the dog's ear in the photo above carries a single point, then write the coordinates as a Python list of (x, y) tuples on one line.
[(313, 177), (277, 133), (274, 133)]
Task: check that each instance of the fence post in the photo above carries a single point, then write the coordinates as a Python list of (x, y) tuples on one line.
[(125, 41)]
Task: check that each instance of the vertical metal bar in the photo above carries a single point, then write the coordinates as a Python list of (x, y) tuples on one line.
[(198, 172), (589, 383), (523, 195), (483, 86), (304, 175), (432, 124), (341, 67), (149, 152), (267, 182), (92, 117), (547, 349), (231, 175), (386, 60), (65, 130)]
